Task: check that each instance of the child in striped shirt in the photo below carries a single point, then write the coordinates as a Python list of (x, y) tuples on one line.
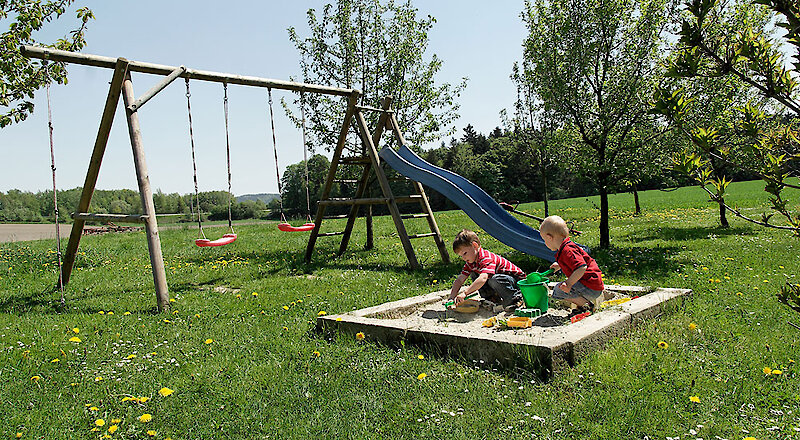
[(492, 275)]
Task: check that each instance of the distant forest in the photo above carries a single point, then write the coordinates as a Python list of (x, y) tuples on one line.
[(502, 167)]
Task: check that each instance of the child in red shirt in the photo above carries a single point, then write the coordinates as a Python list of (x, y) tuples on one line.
[(584, 284), (492, 274)]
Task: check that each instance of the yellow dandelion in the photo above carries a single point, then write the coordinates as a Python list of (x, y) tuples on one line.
[(167, 321), (126, 313), (172, 300), (94, 408), (422, 376), (126, 398), (36, 378), (316, 353), (694, 399), (285, 328), (110, 312), (360, 336), (143, 399), (144, 418), (777, 372), (116, 421), (130, 356), (662, 344), (95, 429), (19, 435), (55, 361), (113, 428), (255, 294), (238, 295), (208, 341), (285, 307), (99, 422), (151, 433), (749, 438), (75, 339), (175, 312), (692, 326), (98, 378), (322, 313), (76, 330), (420, 357), (767, 370), (338, 319), (164, 392)]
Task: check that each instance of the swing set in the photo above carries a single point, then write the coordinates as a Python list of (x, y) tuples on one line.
[(121, 84)]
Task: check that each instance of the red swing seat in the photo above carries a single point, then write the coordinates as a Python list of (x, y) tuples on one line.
[(286, 227), (226, 239)]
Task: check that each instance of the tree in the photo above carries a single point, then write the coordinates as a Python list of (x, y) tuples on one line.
[(294, 185), (721, 40), (20, 77), (378, 47), (592, 62)]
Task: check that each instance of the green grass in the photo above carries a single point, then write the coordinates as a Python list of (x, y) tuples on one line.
[(266, 374)]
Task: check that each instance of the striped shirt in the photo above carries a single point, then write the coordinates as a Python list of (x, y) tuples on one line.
[(491, 263)]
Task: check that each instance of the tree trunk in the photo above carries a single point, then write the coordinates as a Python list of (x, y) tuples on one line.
[(605, 238), (370, 242), (723, 217), (544, 183), (638, 208)]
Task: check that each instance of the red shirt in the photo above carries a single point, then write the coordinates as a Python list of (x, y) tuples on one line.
[(570, 257), (488, 262)]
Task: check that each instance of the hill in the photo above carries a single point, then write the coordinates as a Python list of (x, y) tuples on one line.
[(264, 197)]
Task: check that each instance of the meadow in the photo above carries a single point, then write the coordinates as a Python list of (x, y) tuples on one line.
[(237, 356)]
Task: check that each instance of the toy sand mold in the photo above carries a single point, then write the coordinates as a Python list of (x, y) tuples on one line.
[(544, 348)]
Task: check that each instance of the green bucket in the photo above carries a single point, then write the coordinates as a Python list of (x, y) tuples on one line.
[(534, 294)]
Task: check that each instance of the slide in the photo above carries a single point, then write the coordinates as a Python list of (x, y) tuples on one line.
[(474, 201)]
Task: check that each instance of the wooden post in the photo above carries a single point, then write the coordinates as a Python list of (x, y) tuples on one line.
[(362, 185), (426, 206), (387, 191), (151, 225), (337, 153), (89, 184)]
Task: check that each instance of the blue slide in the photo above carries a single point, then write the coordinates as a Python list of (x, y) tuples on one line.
[(474, 201)]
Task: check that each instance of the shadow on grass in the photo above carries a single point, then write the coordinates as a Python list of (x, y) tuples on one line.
[(678, 233)]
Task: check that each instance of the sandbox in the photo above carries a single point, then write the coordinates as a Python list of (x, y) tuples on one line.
[(551, 344)]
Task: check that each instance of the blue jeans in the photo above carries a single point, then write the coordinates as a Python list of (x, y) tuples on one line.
[(502, 285)]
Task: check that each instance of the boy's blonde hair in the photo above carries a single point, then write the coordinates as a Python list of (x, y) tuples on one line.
[(554, 225), (465, 238)]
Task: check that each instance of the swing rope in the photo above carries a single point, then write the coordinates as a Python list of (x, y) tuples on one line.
[(53, 168), (228, 157), (194, 162), (305, 152), (275, 151)]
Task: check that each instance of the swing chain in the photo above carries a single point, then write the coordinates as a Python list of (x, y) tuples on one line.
[(55, 188), (228, 155), (194, 162), (275, 151)]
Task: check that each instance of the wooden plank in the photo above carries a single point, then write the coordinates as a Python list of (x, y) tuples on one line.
[(110, 217), (413, 198), (407, 216), (146, 195), (199, 75), (337, 154), (427, 234), (92, 172), (387, 191), (364, 201), (426, 206), (330, 234), (157, 88)]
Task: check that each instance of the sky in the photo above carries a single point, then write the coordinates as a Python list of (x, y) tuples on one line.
[(476, 39)]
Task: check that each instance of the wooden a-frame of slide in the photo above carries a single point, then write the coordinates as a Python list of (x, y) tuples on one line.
[(121, 84)]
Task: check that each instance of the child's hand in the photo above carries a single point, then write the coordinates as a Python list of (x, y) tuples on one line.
[(460, 297), (566, 288), (555, 267)]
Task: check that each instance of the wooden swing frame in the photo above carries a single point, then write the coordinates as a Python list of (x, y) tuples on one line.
[(121, 84)]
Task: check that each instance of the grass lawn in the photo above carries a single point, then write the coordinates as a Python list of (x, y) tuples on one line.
[(240, 357)]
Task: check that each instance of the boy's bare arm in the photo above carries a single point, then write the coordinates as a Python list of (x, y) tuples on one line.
[(567, 285), (477, 284), (457, 286)]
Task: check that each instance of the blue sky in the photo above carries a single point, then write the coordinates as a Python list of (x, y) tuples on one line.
[(479, 40)]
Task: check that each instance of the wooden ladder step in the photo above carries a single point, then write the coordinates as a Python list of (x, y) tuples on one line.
[(364, 201), (354, 160), (414, 198), (405, 216), (333, 217), (330, 234), (110, 217), (429, 234)]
